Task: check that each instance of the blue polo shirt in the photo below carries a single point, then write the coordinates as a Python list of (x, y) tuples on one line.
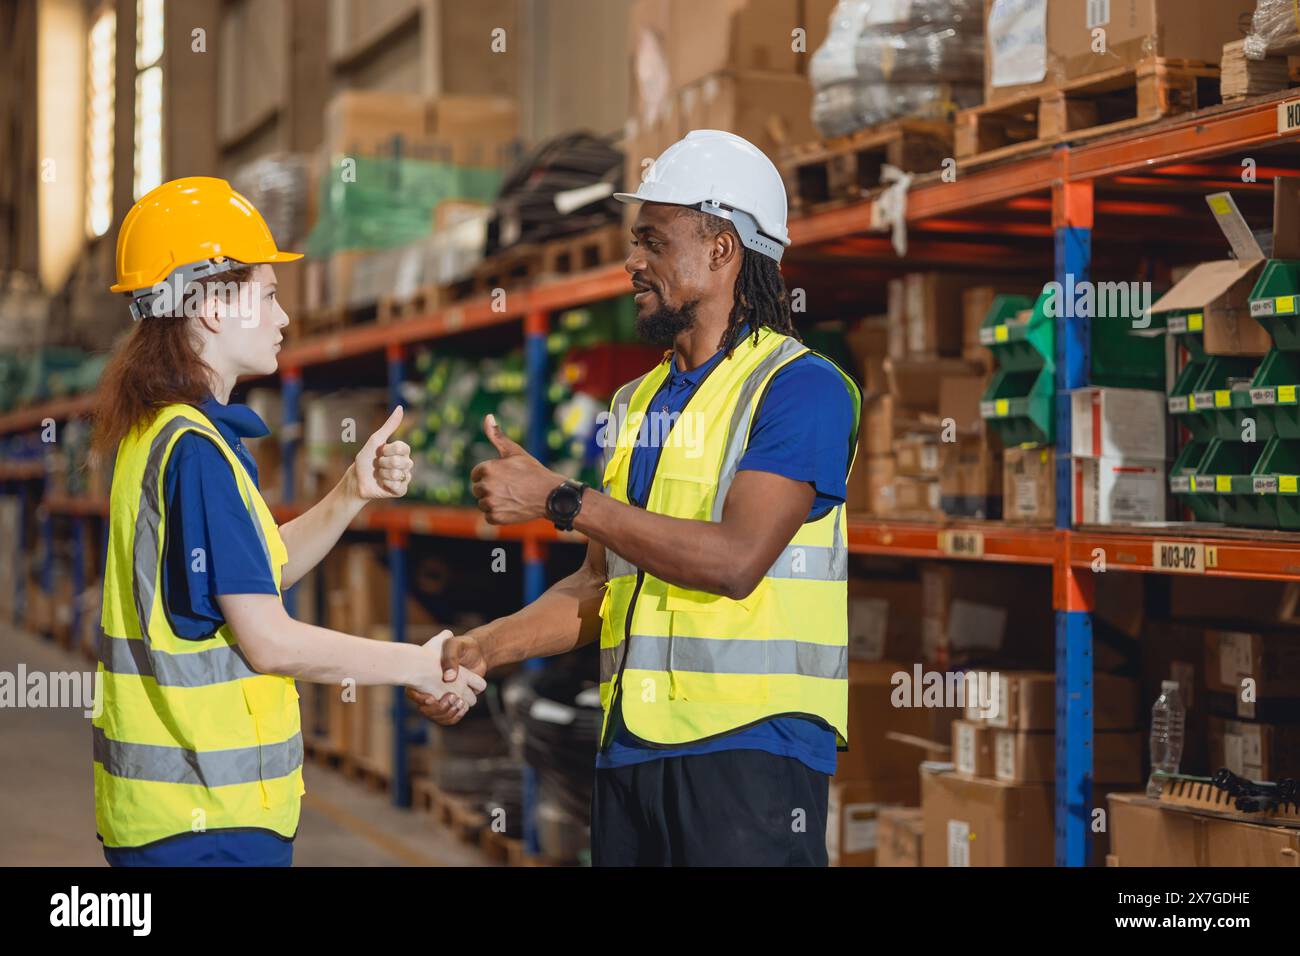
[(803, 431), (211, 548)]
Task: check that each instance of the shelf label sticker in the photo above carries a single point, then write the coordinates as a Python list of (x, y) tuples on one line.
[(1260, 307), (987, 336), (1180, 483), (1223, 484), (1180, 403), (1000, 333), (1286, 394), (1177, 324), (1003, 406), (1264, 484), (1191, 482), (1288, 116), (1196, 322), (1263, 396), (1286, 484), (1285, 304), (1183, 557), (962, 544), (986, 410), (1222, 398), (1202, 400)]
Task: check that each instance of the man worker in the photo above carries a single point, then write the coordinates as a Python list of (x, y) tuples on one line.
[(716, 571)]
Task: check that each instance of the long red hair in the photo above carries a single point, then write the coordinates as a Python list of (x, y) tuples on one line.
[(156, 365)]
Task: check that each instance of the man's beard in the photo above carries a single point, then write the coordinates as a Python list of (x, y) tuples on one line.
[(662, 326)]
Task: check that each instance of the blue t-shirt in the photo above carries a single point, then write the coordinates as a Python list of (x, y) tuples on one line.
[(211, 548), (803, 431)]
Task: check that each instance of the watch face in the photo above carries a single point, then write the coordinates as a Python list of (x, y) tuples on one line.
[(565, 501)]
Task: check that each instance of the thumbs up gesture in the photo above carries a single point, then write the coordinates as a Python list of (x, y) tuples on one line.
[(513, 487), (383, 468)]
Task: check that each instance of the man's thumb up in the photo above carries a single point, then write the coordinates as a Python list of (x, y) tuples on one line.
[(504, 446)]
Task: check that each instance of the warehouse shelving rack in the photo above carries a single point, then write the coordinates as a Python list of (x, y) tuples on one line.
[(1142, 186)]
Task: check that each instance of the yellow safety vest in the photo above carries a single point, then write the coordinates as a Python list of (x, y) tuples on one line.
[(686, 664), (190, 737)]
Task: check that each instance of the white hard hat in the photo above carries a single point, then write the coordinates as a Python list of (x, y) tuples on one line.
[(722, 174)]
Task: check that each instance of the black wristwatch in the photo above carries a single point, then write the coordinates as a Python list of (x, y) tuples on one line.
[(564, 503)]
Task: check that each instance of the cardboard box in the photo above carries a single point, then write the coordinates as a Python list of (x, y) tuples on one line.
[(970, 482), (917, 497), (972, 748), (915, 383), (362, 579), (474, 130), (1020, 757), (1258, 751), (876, 432), (1118, 491), (871, 485), (896, 312), (1118, 423), (852, 833), (1216, 294), (367, 121), (917, 456), (976, 612), (1026, 701), (771, 110), (1146, 833), (1029, 486), (868, 342), (959, 401), (975, 822), (884, 619), (932, 313), (899, 836), (1062, 43), (873, 714), (731, 35), (1271, 661)]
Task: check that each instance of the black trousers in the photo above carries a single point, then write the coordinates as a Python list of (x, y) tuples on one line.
[(733, 808)]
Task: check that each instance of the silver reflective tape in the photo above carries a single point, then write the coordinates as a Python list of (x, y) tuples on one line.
[(217, 665), (709, 655), (609, 661), (617, 566), (738, 429), (618, 413), (210, 768), (811, 563)]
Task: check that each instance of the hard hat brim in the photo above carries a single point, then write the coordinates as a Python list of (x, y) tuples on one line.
[(628, 197)]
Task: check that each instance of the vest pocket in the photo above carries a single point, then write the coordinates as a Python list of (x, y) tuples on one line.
[(715, 670), (273, 703)]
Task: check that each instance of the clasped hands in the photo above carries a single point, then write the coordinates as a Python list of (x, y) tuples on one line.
[(508, 489)]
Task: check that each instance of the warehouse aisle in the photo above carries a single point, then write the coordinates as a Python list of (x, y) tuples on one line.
[(47, 807)]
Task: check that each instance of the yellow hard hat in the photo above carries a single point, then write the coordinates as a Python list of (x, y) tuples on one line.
[(188, 221)]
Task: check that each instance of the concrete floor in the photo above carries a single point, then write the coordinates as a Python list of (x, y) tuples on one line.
[(47, 813)]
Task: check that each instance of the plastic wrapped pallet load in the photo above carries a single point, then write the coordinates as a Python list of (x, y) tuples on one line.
[(885, 59)]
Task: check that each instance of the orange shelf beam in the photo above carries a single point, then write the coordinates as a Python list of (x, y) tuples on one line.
[(1001, 542), (23, 419), (1223, 557)]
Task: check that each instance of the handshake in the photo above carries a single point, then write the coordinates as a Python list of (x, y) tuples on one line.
[(450, 682)]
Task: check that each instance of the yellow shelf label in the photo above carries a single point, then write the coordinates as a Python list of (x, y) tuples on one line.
[(1195, 322), (1000, 333), (1191, 483), (1219, 205), (1002, 407), (1285, 304), (1222, 398), (1286, 484), (1286, 394), (1223, 482)]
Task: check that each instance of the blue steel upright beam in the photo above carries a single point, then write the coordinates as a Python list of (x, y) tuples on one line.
[(1072, 222), (537, 326), (290, 441), (397, 542)]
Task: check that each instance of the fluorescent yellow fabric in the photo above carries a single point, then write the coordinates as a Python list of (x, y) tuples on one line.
[(187, 221), (189, 738), (686, 665)]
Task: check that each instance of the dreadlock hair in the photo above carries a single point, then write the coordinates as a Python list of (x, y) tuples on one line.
[(760, 294)]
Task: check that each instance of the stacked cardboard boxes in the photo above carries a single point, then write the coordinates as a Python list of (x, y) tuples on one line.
[(726, 65), (1118, 455), (994, 807), (1146, 832), (879, 770)]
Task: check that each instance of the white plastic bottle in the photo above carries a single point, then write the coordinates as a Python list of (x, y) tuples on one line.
[(1167, 718)]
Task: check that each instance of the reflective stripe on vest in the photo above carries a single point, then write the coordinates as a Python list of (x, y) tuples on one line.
[(188, 730)]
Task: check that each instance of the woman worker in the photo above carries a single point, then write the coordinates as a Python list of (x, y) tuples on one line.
[(198, 745)]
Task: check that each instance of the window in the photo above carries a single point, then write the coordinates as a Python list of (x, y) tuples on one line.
[(100, 56), (148, 95)]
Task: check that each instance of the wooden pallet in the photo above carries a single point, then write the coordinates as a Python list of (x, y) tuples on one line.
[(1204, 797), (589, 250), (508, 269), (840, 170), (455, 813), (330, 318), (421, 302), (1092, 106)]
